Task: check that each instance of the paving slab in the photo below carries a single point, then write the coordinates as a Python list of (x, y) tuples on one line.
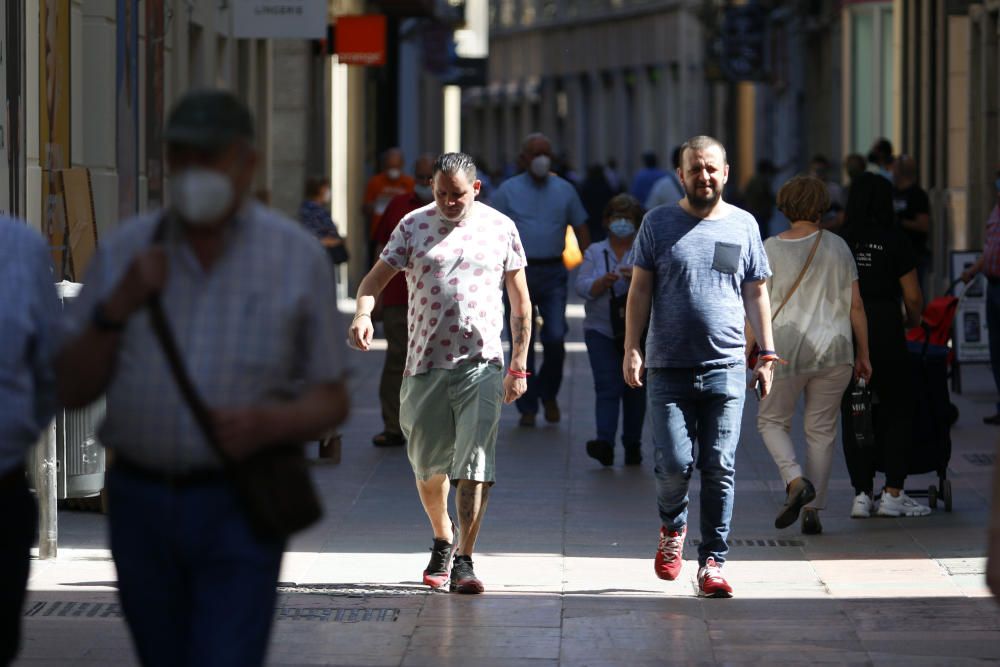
[(566, 555)]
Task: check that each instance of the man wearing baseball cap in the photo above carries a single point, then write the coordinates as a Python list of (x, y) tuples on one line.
[(247, 295)]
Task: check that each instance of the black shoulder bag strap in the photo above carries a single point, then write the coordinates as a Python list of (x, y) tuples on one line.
[(165, 336)]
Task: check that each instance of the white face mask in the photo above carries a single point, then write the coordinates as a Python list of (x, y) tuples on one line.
[(540, 166), (423, 192), (393, 173), (200, 196)]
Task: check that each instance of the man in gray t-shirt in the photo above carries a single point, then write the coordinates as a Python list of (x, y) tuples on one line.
[(699, 273)]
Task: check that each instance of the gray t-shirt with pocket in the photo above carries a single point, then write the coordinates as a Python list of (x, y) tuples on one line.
[(699, 268)]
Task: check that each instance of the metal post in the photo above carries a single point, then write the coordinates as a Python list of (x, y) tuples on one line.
[(46, 487)]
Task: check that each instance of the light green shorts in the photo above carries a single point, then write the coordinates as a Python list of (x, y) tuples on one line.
[(450, 418)]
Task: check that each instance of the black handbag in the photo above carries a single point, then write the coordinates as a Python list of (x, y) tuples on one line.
[(859, 413), (273, 485), (617, 304), (338, 254)]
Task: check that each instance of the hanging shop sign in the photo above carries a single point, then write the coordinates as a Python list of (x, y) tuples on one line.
[(361, 40), (279, 19)]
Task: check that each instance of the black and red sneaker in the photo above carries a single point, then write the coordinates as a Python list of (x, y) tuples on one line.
[(463, 577), (436, 574)]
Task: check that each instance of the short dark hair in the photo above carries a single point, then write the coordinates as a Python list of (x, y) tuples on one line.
[(803, 198), (854, 163), (625, 205), (881, 151), (702, 142), (452, 163), (675, 157), (314, 184), (649, 159)]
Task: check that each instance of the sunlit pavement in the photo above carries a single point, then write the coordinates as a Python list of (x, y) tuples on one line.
[(566, 556)]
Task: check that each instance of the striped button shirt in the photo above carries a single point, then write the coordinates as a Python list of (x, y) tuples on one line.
[(258, 325), (29, 313)]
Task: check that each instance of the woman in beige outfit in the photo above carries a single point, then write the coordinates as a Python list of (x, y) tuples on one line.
[(816, 317)]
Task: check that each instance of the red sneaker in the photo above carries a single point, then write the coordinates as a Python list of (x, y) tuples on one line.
[(670, 554), (711, 583)]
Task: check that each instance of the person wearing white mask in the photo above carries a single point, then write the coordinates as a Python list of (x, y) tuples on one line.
[(381, 189), (602, 282), (542, 205), (391, 305), (246, 293)]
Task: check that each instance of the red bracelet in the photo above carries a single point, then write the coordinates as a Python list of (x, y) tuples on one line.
[(773, 357), (520, 375)]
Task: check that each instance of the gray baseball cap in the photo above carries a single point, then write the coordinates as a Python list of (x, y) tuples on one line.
[(208, 119)]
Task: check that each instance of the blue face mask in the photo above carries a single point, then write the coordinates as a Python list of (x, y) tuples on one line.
[(622, 228)]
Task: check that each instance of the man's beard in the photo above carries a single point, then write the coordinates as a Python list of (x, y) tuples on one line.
[(703, 202)]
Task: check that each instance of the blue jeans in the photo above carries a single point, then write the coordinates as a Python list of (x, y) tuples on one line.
[(993, 326), (196, 586), (547, 286), (610, 390), (704, 405)]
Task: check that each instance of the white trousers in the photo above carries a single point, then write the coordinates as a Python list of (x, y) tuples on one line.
[(823, 391)]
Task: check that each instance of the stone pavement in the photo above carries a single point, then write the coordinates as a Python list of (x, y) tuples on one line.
[(566, 555)]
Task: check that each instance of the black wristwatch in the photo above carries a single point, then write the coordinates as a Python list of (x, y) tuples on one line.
[(105, 323)]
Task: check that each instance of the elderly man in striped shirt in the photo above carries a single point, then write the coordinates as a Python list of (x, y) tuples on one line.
[(249, 296)]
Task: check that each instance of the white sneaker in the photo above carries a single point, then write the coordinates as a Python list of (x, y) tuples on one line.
[(901, 505), (862, 506)]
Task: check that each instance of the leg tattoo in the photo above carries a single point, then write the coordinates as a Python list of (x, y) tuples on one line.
[(471, 500)]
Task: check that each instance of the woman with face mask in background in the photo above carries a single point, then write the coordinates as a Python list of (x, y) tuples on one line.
[(603, 281)]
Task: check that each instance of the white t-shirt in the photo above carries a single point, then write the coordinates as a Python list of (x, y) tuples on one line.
[(813, 331), (455, 275)]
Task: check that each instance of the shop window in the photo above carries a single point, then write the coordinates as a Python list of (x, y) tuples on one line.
[(871, 74)]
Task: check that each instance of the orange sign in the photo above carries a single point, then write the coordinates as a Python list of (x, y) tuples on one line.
[(361, 39)]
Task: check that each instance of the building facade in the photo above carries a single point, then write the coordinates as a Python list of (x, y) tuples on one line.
[(88, 83), (604, 80)]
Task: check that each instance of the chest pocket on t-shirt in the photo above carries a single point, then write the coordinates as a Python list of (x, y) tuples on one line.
[(727, 257)]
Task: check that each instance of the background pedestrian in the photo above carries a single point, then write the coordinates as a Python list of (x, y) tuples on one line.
[(542, 205), (887, 276), (391, 306), (602, 281), (816, 307), (29, 315)]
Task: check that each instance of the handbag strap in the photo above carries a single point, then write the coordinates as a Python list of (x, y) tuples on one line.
[(168, 344), (802, 273)]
